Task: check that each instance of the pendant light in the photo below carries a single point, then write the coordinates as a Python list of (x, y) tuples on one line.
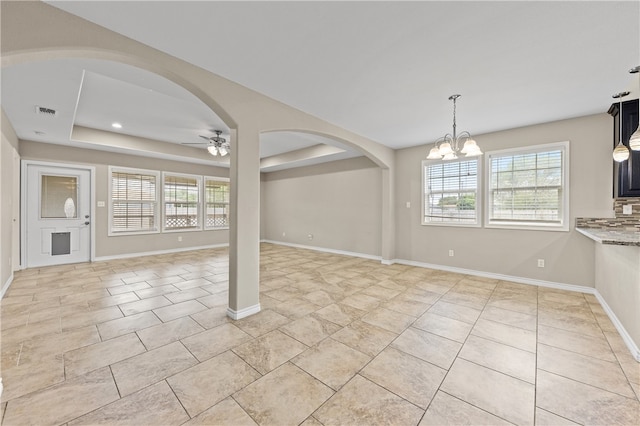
[(634, 140), (620, 152)]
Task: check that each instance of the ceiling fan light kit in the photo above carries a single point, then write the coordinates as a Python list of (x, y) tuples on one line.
[(217, 144), (451, 146)]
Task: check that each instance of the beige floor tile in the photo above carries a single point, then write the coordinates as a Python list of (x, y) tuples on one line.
[(311, 421), (503, 358), (296, 308), (331, 362), (189, 294), (576, 325), (197, 391), (127, 288), (310, 329), (212, 317), (361, 301), (133, 308), (118, 327), (79, 296), (584, 404), (19, 380), (366, 338), (469, 300), (545, 418), (362, 402), (321, 298), (447, 410), (56, 344), (216, 300), (284, 293), (216, 340), (92, 357), (263, 398), (405, 375), (225, 412), (428, 347), (444, 326), (269, 351), (117, 299), (596, 347), (159, 282), (178, 310), (154, 405), (389, 320), (407, 306), (31, 331), (150, 367), (381, 292), (168, 332), (63, 402), (83, 319), (506, 334), (156, 291), (454, 311), (261, 323), (512, 318), (340, 314), (514, 303), (497, 393), (592, 371)]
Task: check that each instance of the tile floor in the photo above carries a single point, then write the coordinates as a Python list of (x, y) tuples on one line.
[(339, 341)]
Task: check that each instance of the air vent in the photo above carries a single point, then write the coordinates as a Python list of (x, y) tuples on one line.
[(49, 112)]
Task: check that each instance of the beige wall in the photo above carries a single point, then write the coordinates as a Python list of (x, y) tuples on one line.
[(10, 202), (618, 282), (569, 256), (122, 245), (338, 202)]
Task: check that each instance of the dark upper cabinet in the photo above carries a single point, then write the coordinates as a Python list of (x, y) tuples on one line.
[(626, 178)]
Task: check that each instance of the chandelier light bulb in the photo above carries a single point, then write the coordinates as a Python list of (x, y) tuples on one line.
[(212, 150), (450, 156), (434, 154), (445, 149), (469, 146), (620, 153), (223, 151), (634, 140)]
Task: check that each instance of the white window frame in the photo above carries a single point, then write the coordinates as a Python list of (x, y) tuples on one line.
[(158, 201), (531, 225), (478, 222), (199, 208), (204, 202)]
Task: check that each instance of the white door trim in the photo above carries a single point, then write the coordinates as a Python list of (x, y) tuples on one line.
[(23, 204)]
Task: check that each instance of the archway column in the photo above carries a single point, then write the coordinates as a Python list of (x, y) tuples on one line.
[(387, 233), (244, 229)]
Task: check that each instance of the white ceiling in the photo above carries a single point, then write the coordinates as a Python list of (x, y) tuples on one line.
[(380, 69)]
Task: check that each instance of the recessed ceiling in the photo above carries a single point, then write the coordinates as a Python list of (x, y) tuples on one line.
[(385, 69)]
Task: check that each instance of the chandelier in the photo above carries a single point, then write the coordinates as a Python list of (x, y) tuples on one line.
[(450, 146)]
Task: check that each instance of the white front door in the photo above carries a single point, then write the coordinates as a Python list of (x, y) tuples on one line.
[(58, 216)]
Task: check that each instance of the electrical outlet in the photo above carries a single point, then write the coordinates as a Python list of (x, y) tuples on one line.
[(627, 209), (180, 238), (310, 236), (100, 203), (284, 234), (540, 263), (450, 253), (408, 204)]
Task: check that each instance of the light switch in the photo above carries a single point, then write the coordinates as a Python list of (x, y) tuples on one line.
[(408, 204), (100, 203)]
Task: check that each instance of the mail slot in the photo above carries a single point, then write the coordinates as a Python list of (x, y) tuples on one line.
[(60, 243)]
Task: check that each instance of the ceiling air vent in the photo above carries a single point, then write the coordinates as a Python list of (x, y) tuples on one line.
[(49, 112)]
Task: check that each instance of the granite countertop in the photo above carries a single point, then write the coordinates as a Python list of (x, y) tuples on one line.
[(614, 237)]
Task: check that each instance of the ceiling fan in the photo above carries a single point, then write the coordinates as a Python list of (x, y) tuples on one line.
[(217, 144)]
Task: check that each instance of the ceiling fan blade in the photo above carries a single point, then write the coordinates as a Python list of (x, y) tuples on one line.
[(205, 137), (194, 143)]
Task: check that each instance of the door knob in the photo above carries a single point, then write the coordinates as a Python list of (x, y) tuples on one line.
[(86, 223), (86, 216)]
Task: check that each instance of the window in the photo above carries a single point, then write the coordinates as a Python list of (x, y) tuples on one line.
[(450, 191), (216, 199), (181, 202), (527, 188), (133, 206)]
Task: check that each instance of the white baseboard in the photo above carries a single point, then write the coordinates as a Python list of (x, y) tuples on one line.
[(5, 287), (243, 313), (631, 345), (156, 252), (325, 250), (502, 277)]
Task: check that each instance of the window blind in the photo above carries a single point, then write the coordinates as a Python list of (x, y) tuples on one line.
[(451, 190)]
